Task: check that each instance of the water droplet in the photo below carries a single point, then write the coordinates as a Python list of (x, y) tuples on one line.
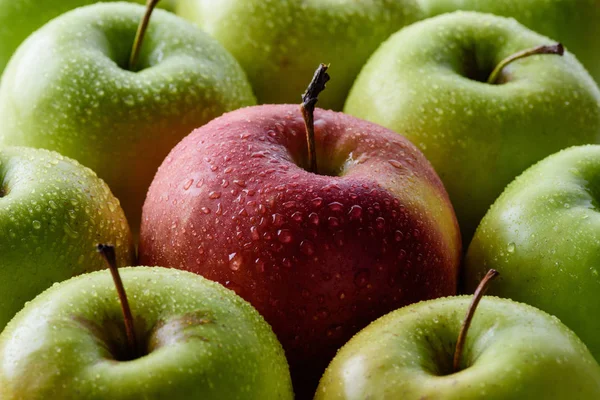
[(313, 218), (36, 224), (188, 184), (307, 247), (214, 195), (235, 261), (333, 222), (254, 234), (317, 201), (355, 212), (297, 216), (398, 236), (285, 236), (511, 247), (335, 206), (277, 219), (260, 265), (395, 163), (380, 223)]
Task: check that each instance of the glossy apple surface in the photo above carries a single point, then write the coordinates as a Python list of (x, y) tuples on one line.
[(573, 23), (428, 83), (512, 352), (544, 234), (198, 341), (279, 43), (53, 212), (68, 89), (319, 255)]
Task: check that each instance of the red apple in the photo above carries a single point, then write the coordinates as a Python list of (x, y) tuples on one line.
[(319, 255)]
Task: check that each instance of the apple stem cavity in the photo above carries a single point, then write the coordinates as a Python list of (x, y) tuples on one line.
[(556, 48), (108, 251), (141, 31), (309, 100), (477, 296)]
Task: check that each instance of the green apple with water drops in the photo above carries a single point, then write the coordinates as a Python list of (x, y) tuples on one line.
[(280, 42), (70, 88), (543, 233), (53, 211), (512, 351), (20, 18), (429, 82), (572, 22), (195, 340)]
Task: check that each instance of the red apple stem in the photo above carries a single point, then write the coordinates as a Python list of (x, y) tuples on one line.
[(141, 32), (108, 251), (479, 292), (309, 100), (556, 48)]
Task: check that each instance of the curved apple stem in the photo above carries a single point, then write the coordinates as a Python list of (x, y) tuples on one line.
[(545, 49), (309, 100), (108, 251), (141, 31), (479, 292)]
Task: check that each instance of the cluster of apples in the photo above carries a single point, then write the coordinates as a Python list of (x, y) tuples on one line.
[(339, 235)]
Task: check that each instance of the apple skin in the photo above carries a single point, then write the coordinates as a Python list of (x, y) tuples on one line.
[(280, 43), (543, 233), (573, 23), (65, 90), (53, 212), (319, 256), (201, 341), (478, 136), (20, 18), (512, 351)]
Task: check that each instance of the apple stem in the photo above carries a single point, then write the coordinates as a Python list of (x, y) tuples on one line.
[(141, 31), (479, 292), (309, 100), (556, 48), (108, 251)]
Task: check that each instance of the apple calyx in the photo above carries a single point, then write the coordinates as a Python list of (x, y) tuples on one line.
[(141, 31), (556, 48), (477, 296), (307, 107), (108, 251)]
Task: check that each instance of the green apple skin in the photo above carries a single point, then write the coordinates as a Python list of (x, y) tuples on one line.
[(66, 89), (512, 351), (53, 212), (425, 83), (200, 340), (281, 42), (543, 235), (572, 22), (20, 18)]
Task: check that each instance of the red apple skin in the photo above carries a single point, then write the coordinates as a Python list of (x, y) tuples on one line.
[(319, 256)]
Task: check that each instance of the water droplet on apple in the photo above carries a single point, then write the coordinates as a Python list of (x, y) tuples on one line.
[(235, 261), (511, 247), (313, 218), (395, 163), (317, 202), (333, 222), (297, 216), (214, 195), (355, 213), (398, 236), (335, 206), (188, 184), (36, 224), (285, 236), (307, 247)]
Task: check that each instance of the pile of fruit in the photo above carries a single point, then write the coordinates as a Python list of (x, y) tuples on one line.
[(179, 221)]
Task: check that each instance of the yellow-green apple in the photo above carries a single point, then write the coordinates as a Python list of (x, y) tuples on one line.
[(543, 233), (20, 18), (429, 82), (279, 42), (574, 23), (320, 255), (197, 340), (512, 351), (69, 88), (52, 213)]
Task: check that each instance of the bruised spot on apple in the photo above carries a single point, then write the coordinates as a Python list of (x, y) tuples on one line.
[(319, 255)]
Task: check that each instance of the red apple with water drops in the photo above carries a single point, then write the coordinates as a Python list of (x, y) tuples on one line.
[(320, 255)]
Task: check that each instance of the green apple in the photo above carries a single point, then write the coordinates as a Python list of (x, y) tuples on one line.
[(20, 18), (572, 22), (544, 234), (67, 89), (429, 83), (512, 352), (280, 43), (198, 340), (52, 213)]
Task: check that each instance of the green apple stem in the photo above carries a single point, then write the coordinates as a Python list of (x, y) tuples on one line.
[(309, 100), (108, 251), (545, 49), (479, 292), (141, 31)]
